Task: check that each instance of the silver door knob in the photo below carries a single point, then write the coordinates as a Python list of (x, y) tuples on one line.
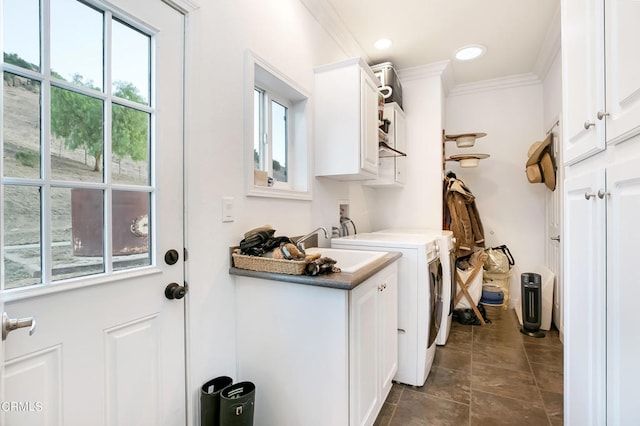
[(602, 193), (10, 324), (601, 114), (588, 124), (588, 196)]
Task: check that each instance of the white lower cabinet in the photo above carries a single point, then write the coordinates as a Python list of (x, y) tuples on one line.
[(602, 348), (318, 356), (373, 328)]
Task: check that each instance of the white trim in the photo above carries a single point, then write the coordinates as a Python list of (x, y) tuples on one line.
[(85, 281), (550, 48), (183, 6), (329, 19), (520, 80)]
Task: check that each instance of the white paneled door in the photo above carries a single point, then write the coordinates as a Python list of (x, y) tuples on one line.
[(92, 222)]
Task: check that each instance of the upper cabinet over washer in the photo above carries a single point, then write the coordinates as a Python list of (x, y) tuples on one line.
[(346, 121)]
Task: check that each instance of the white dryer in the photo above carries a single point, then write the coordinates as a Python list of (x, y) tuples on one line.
[(448, 260), (419, 301)]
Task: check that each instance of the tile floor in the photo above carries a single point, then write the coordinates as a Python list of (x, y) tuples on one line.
[(491, 375)]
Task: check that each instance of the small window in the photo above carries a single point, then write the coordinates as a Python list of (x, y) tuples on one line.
[(277, 148)]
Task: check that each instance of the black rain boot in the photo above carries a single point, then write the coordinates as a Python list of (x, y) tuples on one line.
[(236, 404), (210, 400)]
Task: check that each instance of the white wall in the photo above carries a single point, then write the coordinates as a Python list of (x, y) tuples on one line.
[(512, 210), (419, 203), (284, 34)]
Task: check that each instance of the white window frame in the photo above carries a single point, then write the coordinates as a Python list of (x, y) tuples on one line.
[(285, 91)]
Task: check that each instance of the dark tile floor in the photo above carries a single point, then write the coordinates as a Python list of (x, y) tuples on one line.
[(491, 375)]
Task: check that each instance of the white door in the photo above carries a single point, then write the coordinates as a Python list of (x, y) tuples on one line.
[(623, 345), (623, 69), (92, 198), (584, 299), (554, 230), (583, 61)]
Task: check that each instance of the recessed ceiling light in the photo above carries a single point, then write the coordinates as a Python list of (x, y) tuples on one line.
[(383, 43), (468, 53)]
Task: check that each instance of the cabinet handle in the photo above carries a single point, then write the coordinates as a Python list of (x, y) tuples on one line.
[(588, 124), (556, 238), (601, 114), (602, 194), (587, 195)]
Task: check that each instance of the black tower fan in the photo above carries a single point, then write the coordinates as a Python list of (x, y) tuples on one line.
[(531, 304)]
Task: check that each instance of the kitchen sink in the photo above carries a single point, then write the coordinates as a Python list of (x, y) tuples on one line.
[(348, 261)]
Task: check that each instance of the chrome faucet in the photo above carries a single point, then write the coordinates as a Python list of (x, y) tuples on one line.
[(301, 240)]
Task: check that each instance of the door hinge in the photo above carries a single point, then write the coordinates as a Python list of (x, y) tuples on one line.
[(186, 254)]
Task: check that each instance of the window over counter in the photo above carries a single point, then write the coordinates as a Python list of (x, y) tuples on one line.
[(276, 133)]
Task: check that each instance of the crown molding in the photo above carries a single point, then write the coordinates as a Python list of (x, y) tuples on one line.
[(550, 47), (520, 80), (440, 69), (328, 19), (184, 6)]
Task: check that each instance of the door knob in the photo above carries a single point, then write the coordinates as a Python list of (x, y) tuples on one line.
[(174, 291), (588, 195), (10, 324), (601, 114), (588, 124)]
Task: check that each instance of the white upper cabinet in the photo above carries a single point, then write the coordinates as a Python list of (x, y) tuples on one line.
[(623, 69), (601, 67), (346, 121), (583, 71)]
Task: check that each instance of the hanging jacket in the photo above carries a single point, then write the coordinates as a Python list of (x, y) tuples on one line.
[(465, 219)]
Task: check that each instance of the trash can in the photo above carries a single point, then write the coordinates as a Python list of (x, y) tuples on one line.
[(210, 400), (236, 404)]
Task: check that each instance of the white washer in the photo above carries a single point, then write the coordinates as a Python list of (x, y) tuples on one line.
[(419, 301), (448, 260)]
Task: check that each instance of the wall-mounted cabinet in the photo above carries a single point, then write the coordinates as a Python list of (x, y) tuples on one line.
[(346, 121), (392, 163)]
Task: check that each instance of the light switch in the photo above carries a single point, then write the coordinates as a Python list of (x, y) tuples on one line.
[(227, 209)]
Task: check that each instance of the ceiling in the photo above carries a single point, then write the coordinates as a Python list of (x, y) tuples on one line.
[(521, 36)]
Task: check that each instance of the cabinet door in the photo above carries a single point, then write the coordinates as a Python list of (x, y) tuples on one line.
[(369, 123), (623, 293), (583, 90), (584, 300), (389, 330), (623, 69), (364, 354)]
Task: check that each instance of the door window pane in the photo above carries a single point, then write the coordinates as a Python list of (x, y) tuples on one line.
[(21, 235), (76, 43), (131, 226), (280, 141), (130, 64), (130, 145), (21, 127), (76, 136), (21, 33), (77, 232)]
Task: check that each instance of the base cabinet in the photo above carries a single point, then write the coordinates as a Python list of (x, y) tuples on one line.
[(601, 343), (318, 356)]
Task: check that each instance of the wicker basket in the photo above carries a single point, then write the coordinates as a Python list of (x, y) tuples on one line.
[(267, 264)]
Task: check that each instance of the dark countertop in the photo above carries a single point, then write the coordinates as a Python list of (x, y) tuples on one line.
[(341, 280)]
